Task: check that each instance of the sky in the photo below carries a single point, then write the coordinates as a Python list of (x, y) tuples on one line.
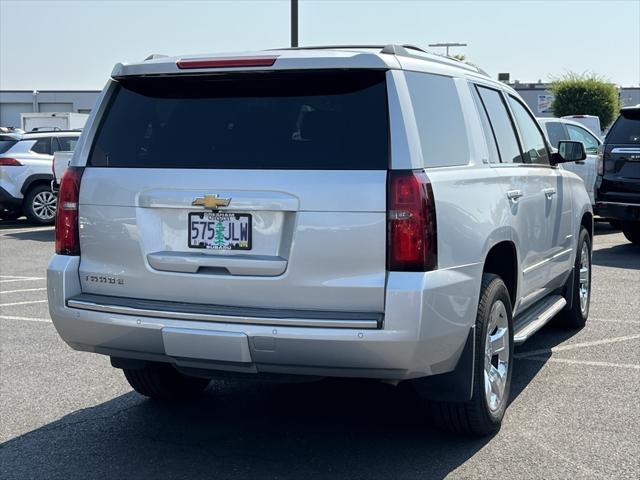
[(74, 44)]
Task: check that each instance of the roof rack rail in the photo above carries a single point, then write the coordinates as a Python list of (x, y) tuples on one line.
[(153, 56), (401, 50)]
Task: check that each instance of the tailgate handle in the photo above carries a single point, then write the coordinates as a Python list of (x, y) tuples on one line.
[(186, 262)]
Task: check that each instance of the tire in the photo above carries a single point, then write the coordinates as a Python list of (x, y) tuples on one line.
[(576, 316), (482, 415), (161, 381), (631, 230), (40, 205), (10, 214)]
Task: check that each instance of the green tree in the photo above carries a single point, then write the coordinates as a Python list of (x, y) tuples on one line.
[(586, 94), (218, 240)]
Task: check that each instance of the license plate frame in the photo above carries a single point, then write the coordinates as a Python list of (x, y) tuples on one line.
[(211, 217)]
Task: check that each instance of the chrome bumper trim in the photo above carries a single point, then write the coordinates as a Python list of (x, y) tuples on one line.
[(229, 314)]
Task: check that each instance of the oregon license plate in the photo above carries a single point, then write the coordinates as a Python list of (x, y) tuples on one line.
[(220, 231)]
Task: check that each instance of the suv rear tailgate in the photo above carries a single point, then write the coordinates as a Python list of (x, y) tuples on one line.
[(301, 159)]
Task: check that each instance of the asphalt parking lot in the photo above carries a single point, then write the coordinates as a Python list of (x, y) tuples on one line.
[(64, 414)]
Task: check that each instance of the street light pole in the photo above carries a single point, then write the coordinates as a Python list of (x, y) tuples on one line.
[(294, 23)]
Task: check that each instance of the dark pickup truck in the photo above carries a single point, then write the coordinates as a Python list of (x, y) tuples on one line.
[(618, 182)]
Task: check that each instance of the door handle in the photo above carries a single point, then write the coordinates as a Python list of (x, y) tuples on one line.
[(549, 192), (514, 195)]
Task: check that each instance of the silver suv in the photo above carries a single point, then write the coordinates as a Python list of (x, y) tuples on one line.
[(373, 212)]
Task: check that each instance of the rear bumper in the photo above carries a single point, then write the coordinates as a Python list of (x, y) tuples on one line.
[(8, 201), (626, 212), (423, 333)]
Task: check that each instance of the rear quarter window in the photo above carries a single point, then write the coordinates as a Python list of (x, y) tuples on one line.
[(307, 120), (440, 121), (6, 143)]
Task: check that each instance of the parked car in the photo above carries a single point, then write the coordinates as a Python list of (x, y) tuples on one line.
[(557, 129), (354, 212), (61, 161), (618, 182), (591, 122), (25, 174)]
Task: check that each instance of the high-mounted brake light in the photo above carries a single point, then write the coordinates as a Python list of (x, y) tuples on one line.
[(412, 243), (9, 162), (67, 229), (228, 62)]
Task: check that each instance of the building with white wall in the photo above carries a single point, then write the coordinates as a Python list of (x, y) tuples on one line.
[(15, 102)]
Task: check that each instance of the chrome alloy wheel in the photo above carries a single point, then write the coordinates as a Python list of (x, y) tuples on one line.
[(583, 283), (496, 356), (44, 205)]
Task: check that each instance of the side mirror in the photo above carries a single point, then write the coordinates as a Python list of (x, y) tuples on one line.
[(568, 151)]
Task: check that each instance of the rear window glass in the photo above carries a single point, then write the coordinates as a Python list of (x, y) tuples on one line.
[(625, 130), (6, 144), (295, 120)]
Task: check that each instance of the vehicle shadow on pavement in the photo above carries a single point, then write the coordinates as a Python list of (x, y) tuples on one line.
[(332, 428), (35, 235), (626, 255)]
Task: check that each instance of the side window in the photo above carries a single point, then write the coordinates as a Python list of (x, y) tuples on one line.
[(556, 132), (67, 144), (489, 135), (501, 123), (439, 117), (533, 144), (581, 135), (42, 146)]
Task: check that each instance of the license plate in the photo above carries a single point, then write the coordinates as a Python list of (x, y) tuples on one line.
[(220, 231)]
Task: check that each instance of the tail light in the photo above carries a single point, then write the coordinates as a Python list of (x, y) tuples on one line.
[(9, 162), (411, 222), (67, 235), (600, 161)]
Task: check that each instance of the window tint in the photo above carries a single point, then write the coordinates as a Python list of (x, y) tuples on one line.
[(556, 132), (579, 134), (501, 123), (67, 144), (42, 146), (533, 144), (438, 113), (320, 120), (625, 131), (6, 143), (494, 156)]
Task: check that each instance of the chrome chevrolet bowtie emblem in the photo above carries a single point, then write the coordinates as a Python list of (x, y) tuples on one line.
[(211, 201)]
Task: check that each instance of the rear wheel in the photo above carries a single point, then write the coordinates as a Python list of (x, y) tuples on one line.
[(161, 381), (631, 230), (580, 289), (482, 415), (40, 205)]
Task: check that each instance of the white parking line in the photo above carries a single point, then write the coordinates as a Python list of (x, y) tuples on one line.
[(25, 279), (21, 303), (21, 230), (580, 362), (572, 346), (23, 290), (28, 319)]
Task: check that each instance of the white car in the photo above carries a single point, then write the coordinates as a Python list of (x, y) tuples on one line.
[(375, 212), (558, 129), (26, 174)]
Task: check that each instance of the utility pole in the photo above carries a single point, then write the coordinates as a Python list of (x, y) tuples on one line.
[(447, 45), (294, 23)]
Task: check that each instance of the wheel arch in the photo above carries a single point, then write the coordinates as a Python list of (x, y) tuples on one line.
[(36, 179), (502, 260)]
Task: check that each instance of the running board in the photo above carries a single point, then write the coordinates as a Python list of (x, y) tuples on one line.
[(535, 317)]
